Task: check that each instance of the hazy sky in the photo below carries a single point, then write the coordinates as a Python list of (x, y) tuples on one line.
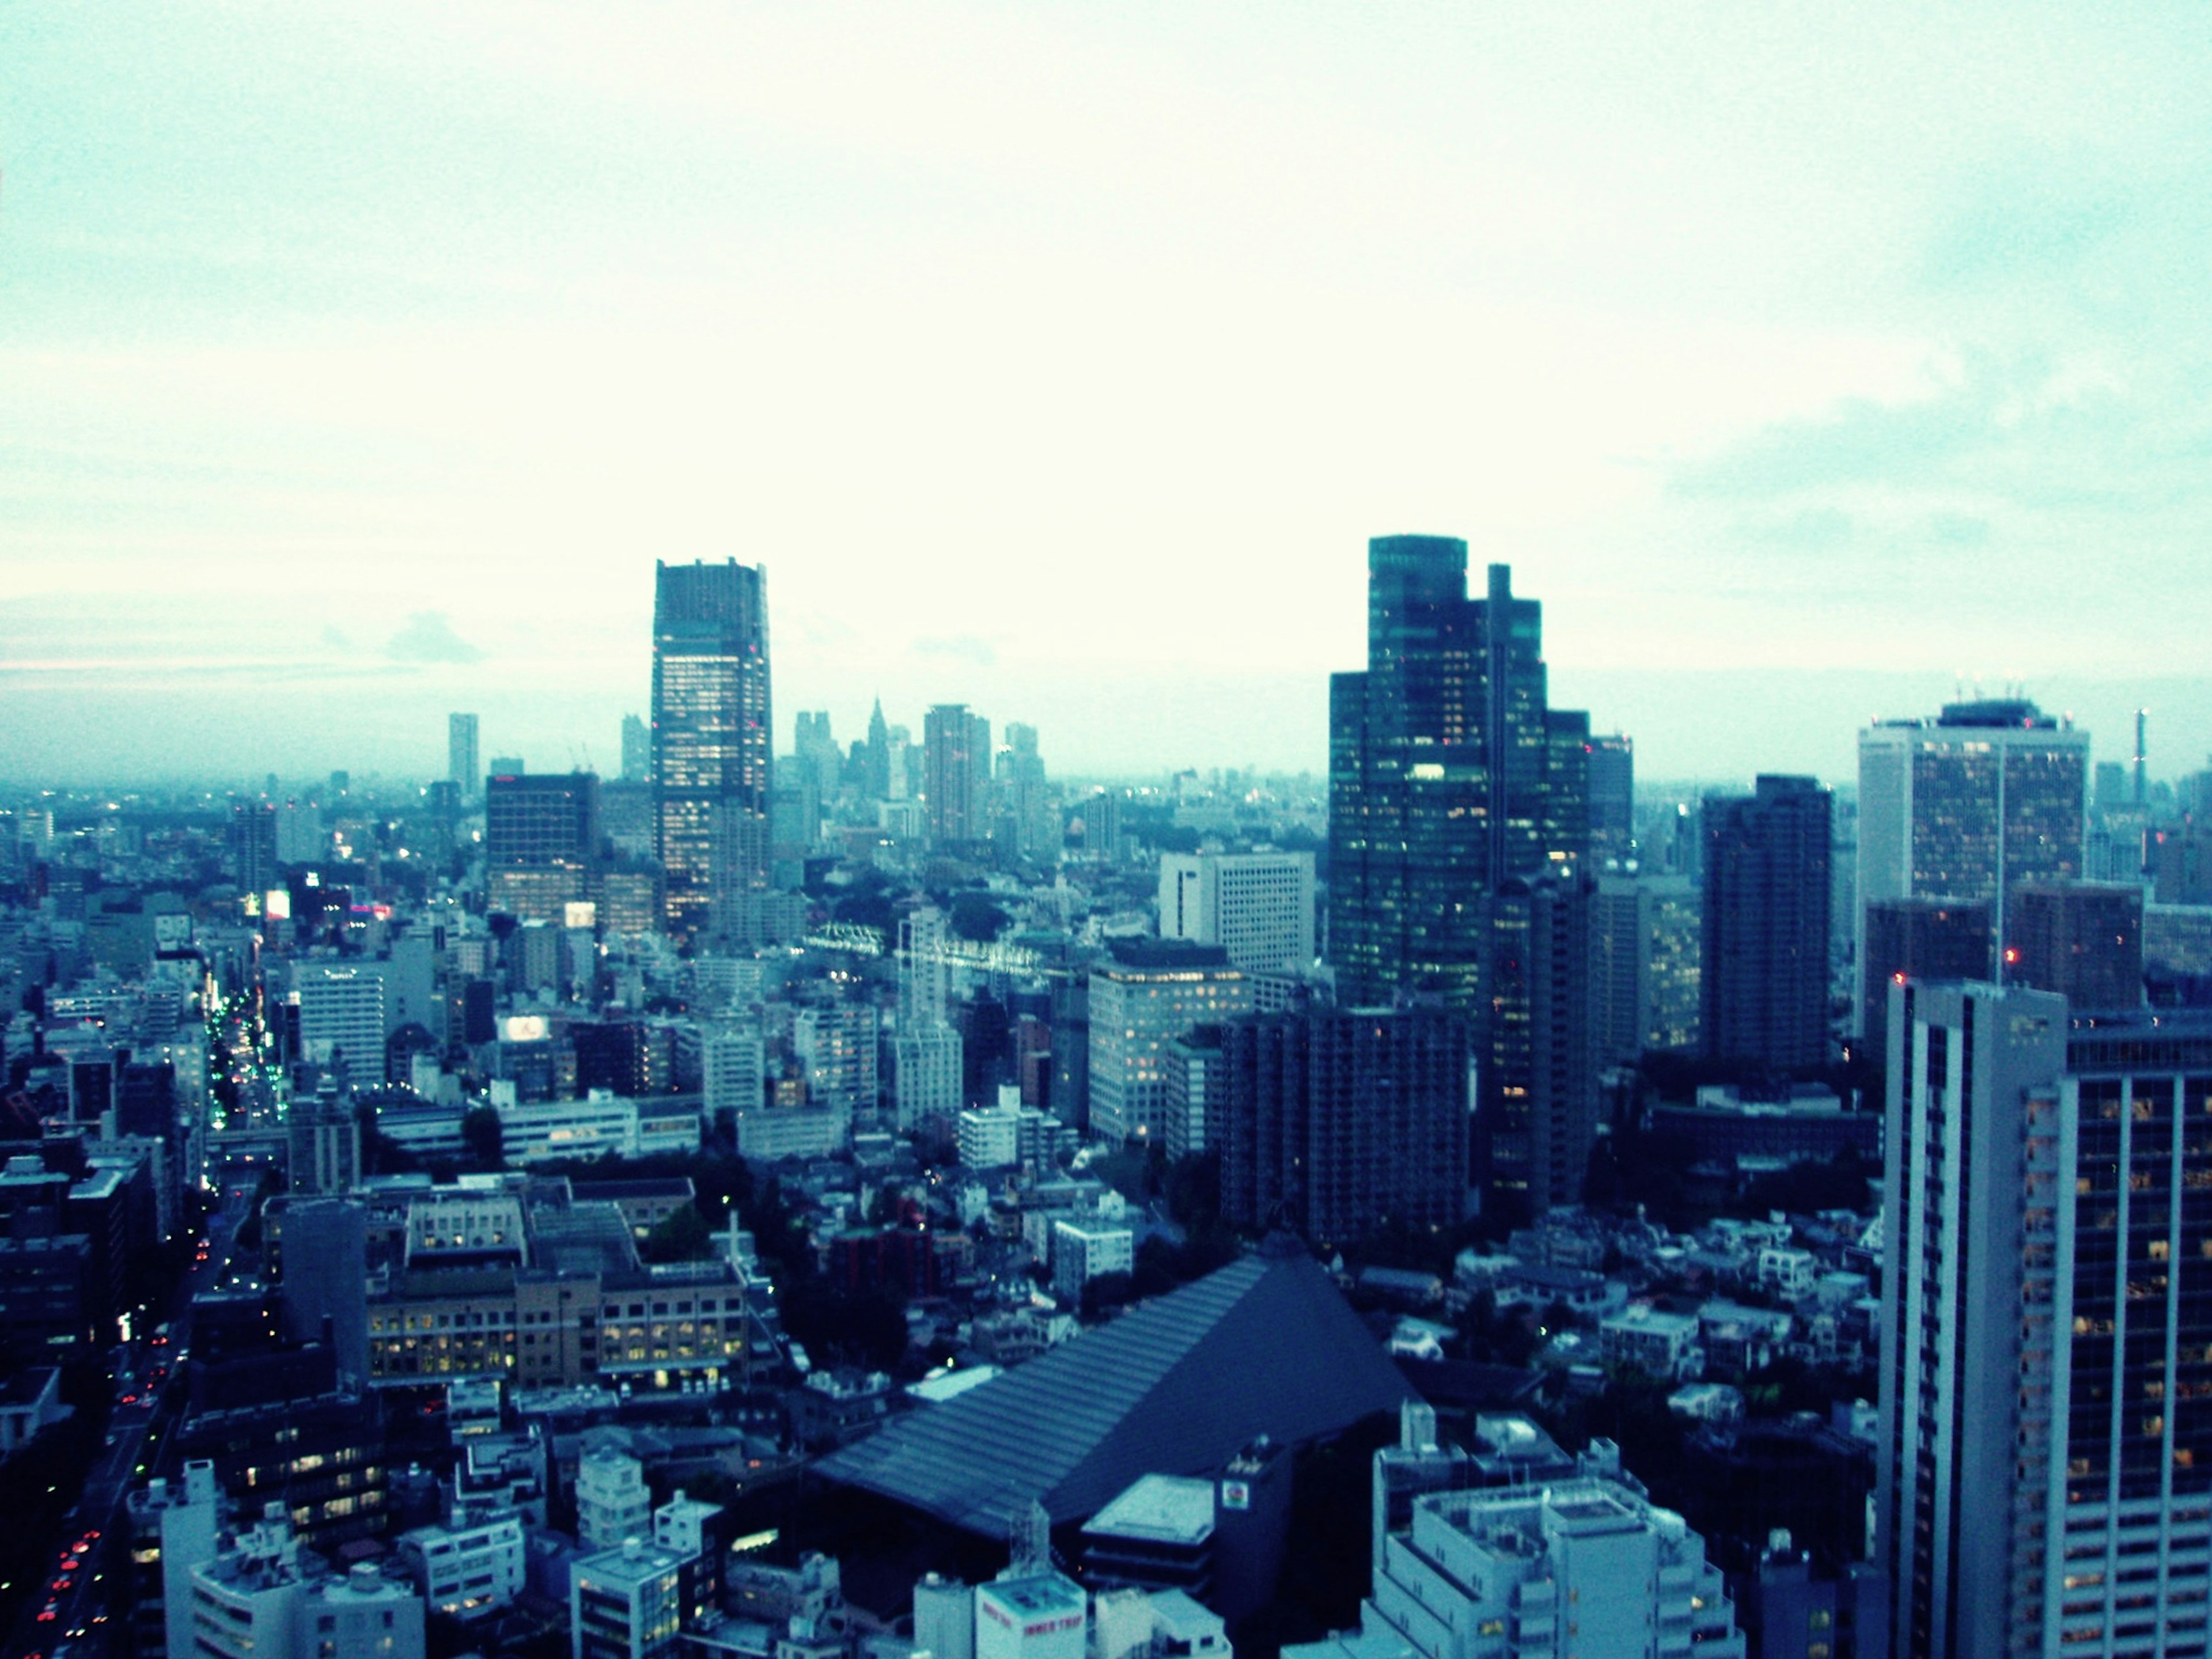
[(356, 364)]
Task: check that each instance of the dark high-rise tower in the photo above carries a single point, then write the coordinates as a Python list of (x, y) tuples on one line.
[(1765, 972), (1448, 774), (1453, 786), (711, 737)]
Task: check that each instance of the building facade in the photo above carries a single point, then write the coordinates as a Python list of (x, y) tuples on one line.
[(712, 734), (1764, 975), (1258, 907)]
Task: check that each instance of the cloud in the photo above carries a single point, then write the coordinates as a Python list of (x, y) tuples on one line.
[(336, 638), (959, 648), (429, 637)]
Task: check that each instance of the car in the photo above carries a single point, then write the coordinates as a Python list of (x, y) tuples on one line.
[(49, 1612)]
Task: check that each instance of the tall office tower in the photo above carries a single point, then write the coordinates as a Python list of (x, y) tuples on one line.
[(953, 771), (2082, 939), (636, 750), (1646, 962), (1921, 939), (926, 1053), (1536, 1112), (815, 746), (1333, 1121), (542, 843), (1025, 796), (1963, 806), (711, 737), (878, 754), (1258, 907), (1448, 774), (2143, 759), (251, 840), (1764, 961), (1146, 995), (2045, 1478), (462, 763), (1611, 798)]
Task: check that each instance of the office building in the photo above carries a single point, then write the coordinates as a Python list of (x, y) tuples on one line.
[(1448, 774), (542, 843), (1027, 807), (266, 1598), (612, 1502), (323, 1274), (1612, 799), (1646, 966), (341, 1007), (1334, 1121), (2081, 938), (1966, 805), (1146, 995), (1196, 1082), (636, 750), (463, 768), (837, 1047), (955, 775), (1584, 1565), (323, 1137), (1258, 907), (626, 1603), (711, 740), (468, 1569), (174, 1526), (734, 1070), (1921, 939), (927, 1051), (2045, 1453), (1536, 1108), (1765, 959)]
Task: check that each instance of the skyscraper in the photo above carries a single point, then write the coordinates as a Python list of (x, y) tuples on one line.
[(1452, 785), (1765, 962), (541, 842), (2081, 938), (1646, 963), (636, 750), (711, 740), (462, 766), (956, 774), (2046, 1449), (1611, 798), (1448, 773), (1921, 939), (1986, 795)]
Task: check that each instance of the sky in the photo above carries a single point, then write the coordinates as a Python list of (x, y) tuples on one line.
[(1809, 363)]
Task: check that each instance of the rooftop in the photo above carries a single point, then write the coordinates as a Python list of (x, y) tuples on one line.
[(1160, 1508)]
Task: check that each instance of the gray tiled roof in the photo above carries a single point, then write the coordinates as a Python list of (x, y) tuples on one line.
[(1266, 1345)]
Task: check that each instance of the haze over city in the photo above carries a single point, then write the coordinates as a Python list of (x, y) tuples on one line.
[(356, 368)]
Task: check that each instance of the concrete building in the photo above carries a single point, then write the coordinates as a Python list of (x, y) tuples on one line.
[(1258, 907), (1986, 795), (2082, 939), (323, 1137), (1923, 938), (1645, 966), (837, 1046), (1083, 1251), (1145, 997), (1586, 1566), (2046, 1459), (542, 843), (467, 1570), (733, 1068), (341, 1015), (266, 1598), (955, 775), (612, 1502), (626, 1603), (175, 1528), (464, 767), (1764, 976)]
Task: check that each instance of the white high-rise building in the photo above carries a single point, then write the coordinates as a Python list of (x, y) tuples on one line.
[(1584, 1565), (612, 1501), (1144, 998), (837, 1046), (733, 1068), (2044, 1483), (1258, 907), (927, 1055), (1968, 805), (342, 1012)]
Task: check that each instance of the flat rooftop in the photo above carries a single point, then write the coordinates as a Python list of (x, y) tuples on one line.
[(1160, 1509)]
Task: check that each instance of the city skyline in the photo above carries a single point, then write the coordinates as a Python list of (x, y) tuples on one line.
[(361, 384)]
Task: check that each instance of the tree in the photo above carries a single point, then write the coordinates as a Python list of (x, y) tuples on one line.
[(684, 1235), (482, 1134)]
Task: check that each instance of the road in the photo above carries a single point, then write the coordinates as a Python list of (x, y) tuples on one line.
[(78, 1618)]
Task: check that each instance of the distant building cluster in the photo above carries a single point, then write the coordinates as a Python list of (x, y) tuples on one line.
[(887, 1197)]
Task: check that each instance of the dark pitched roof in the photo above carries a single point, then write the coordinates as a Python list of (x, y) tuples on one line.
[(1266, 1345)]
